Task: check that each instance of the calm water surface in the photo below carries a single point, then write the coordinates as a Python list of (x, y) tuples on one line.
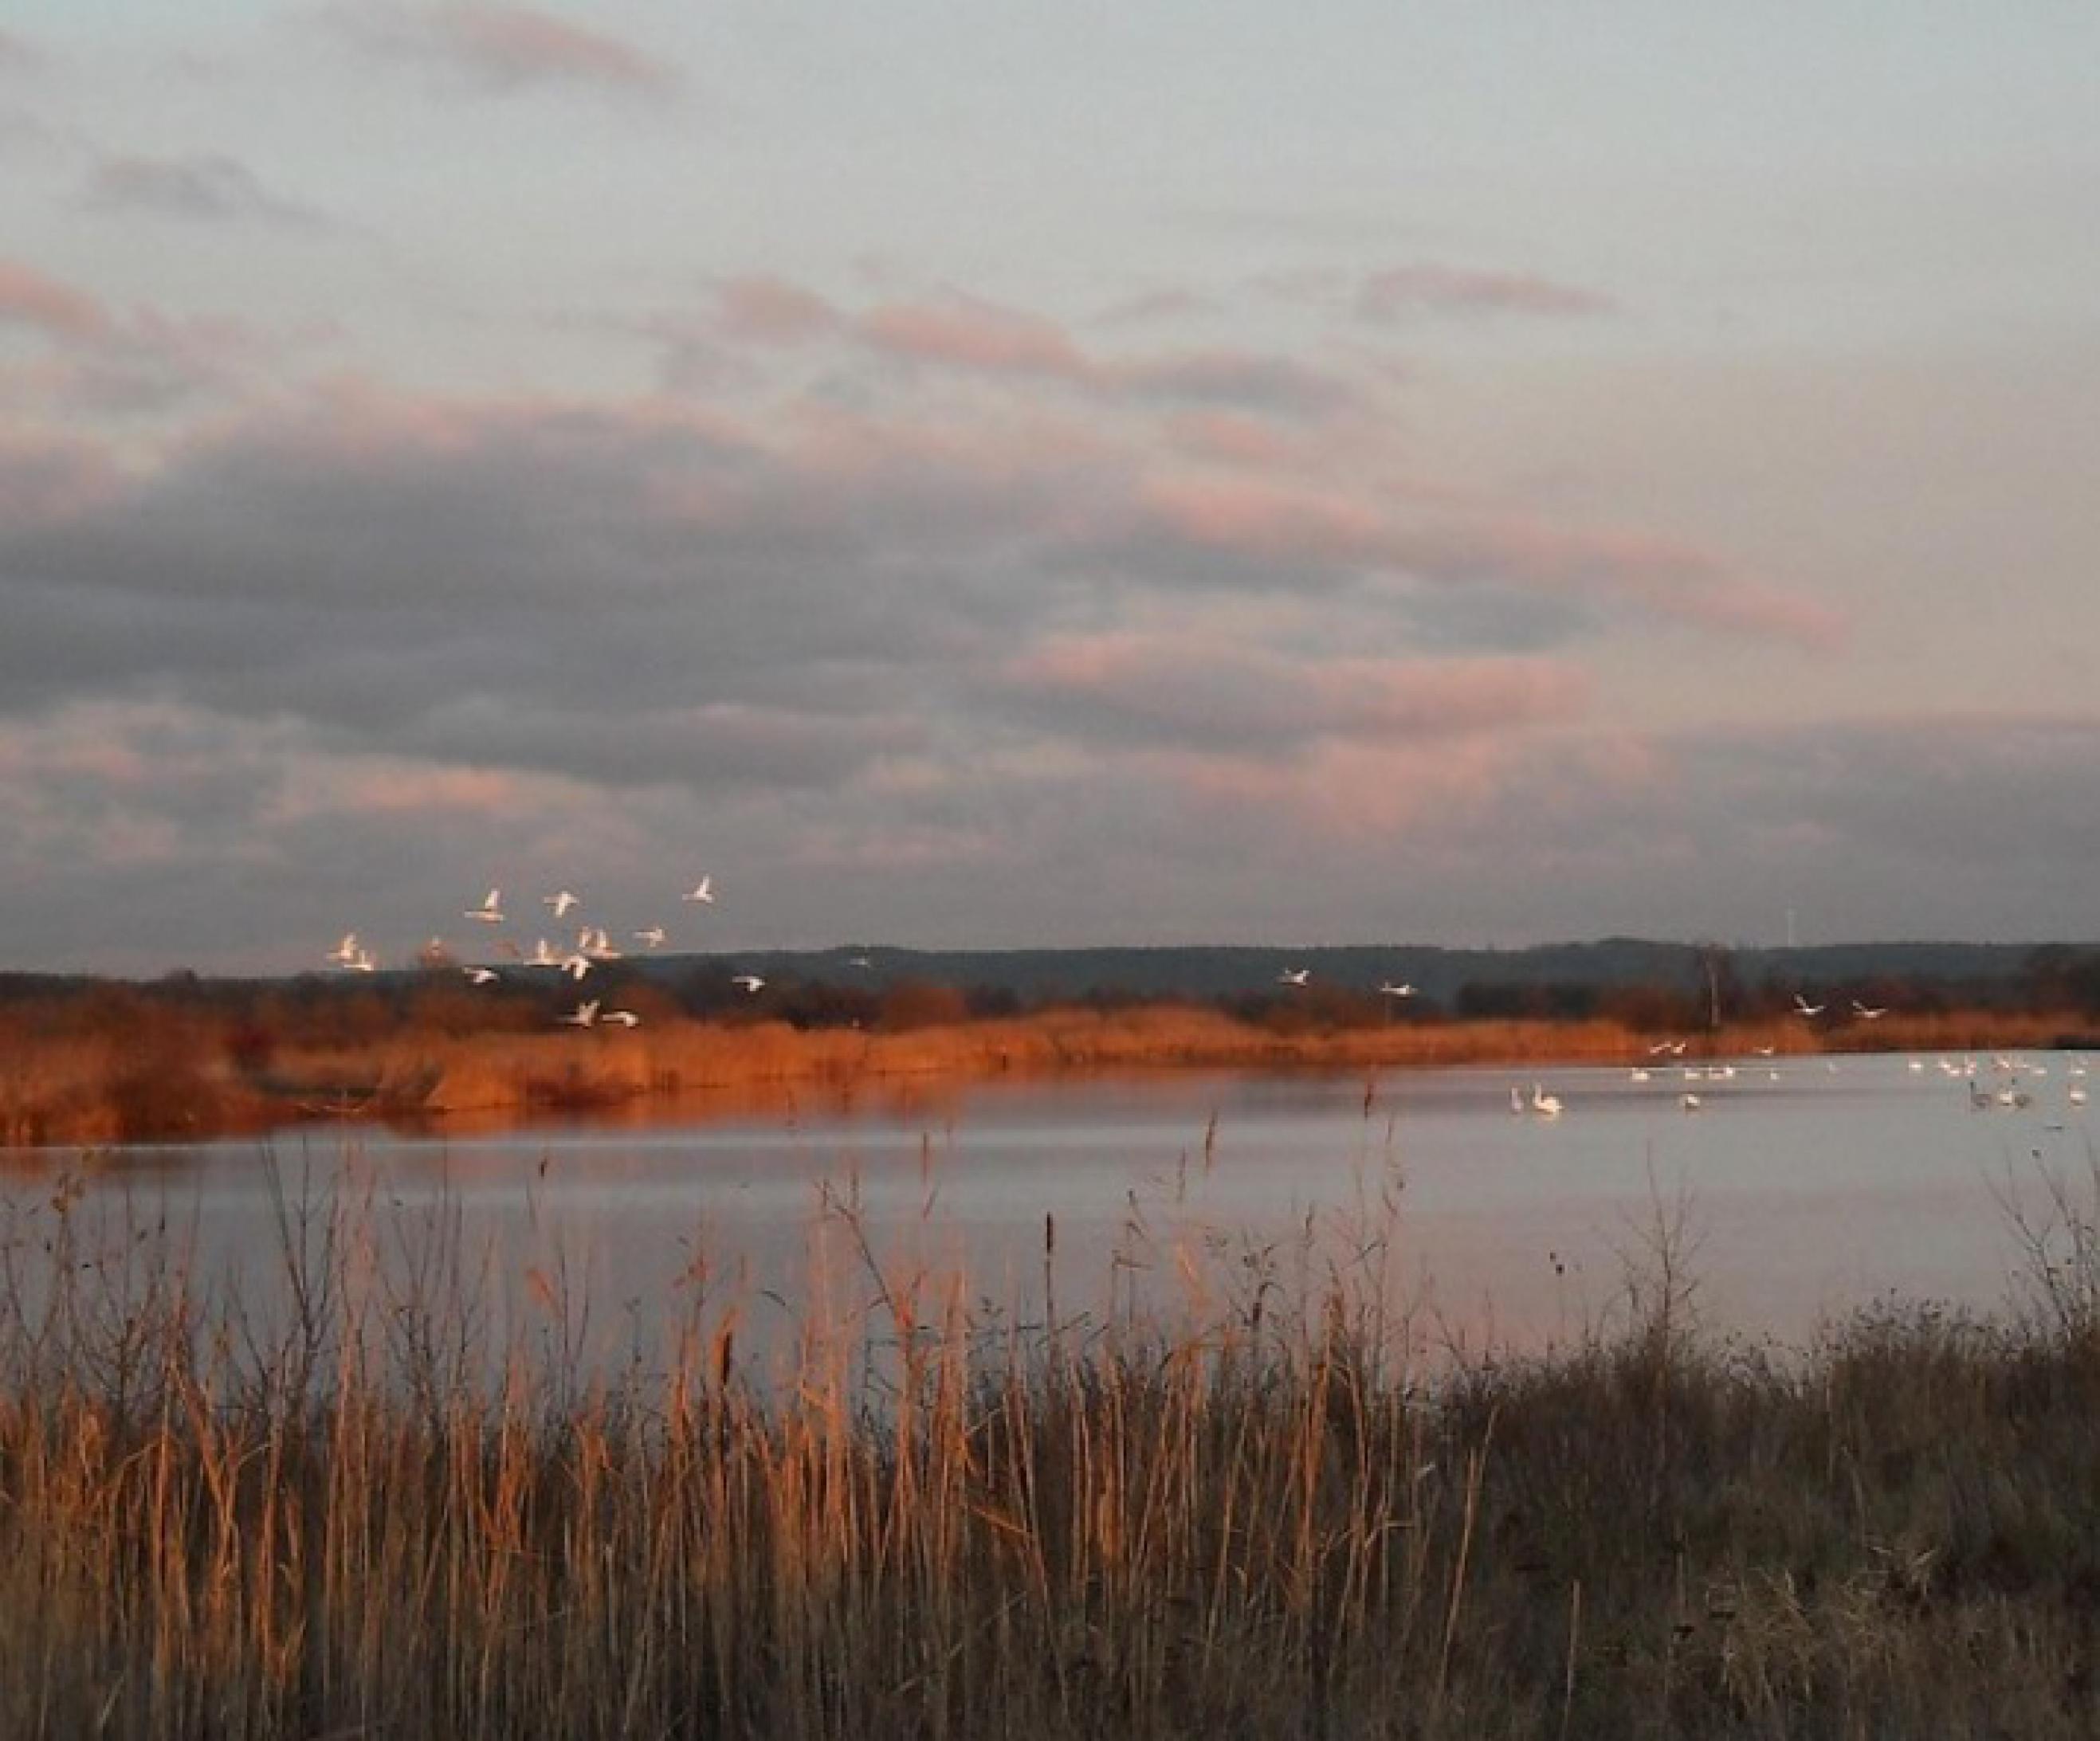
[(1808, 1190)]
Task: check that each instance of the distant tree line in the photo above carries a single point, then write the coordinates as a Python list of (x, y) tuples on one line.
[(254, 1018)]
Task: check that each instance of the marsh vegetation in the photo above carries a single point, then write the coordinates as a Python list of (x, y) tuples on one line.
[(372, 1508), (184, 1059)]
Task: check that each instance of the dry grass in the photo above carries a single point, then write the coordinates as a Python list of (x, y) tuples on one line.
[(179, 1076), (364, 1513)]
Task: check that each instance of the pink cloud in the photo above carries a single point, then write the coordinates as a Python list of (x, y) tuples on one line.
[(28, 298), (770, 311), (1448, 801), (44, 480), (1245, 517), (502, 47), (1130, 685), (404, 788), (1664, 575), (1428, 288), (1232, 439), (1354, 529), (981, 337)]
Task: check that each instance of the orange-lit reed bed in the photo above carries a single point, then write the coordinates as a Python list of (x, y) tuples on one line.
[(182, 1077), (354, 1517)]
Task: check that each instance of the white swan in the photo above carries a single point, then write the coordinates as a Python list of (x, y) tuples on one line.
[(749, 982), (584, 1015), (1294, 976), (490, 912), (702, 891), (561, 901), (1545, 1105)]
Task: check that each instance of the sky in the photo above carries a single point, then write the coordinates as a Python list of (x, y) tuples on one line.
[(1025, 475)]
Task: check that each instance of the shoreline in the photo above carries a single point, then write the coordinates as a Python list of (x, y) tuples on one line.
[(204, 1082)]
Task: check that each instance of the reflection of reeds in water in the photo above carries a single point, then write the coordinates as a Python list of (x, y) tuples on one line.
[(360, 1512)]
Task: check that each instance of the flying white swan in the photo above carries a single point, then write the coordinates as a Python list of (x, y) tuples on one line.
[(1545, 1105), (623, 1018), (702, 891), (561, 901), (652, 938), (481, 976), (490, 912), (749, 982), (584, 1015), (1803, 1006), (345, 954), (1388, 989), (1294, 976)]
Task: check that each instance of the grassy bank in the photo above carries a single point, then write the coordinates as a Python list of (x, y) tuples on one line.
[(353, 1516), (157, 1075)]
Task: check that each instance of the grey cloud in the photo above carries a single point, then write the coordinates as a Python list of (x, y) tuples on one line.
[(1246, 382), (816, 632), (1156, 305), (206, 189), (1428, 287), (706, 747), (522, 596), (1992, 795), (376, 569), (1490, 618)]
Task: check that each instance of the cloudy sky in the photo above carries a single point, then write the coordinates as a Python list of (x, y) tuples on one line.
[(1039, 472)]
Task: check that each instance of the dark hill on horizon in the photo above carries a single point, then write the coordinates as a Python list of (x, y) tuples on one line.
[(1208, 971)]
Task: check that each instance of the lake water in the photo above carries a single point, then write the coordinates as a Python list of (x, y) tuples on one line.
[(1805, 1189)]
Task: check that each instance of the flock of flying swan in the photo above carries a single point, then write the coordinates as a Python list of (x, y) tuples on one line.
[(1302, 977), (593, 944)]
